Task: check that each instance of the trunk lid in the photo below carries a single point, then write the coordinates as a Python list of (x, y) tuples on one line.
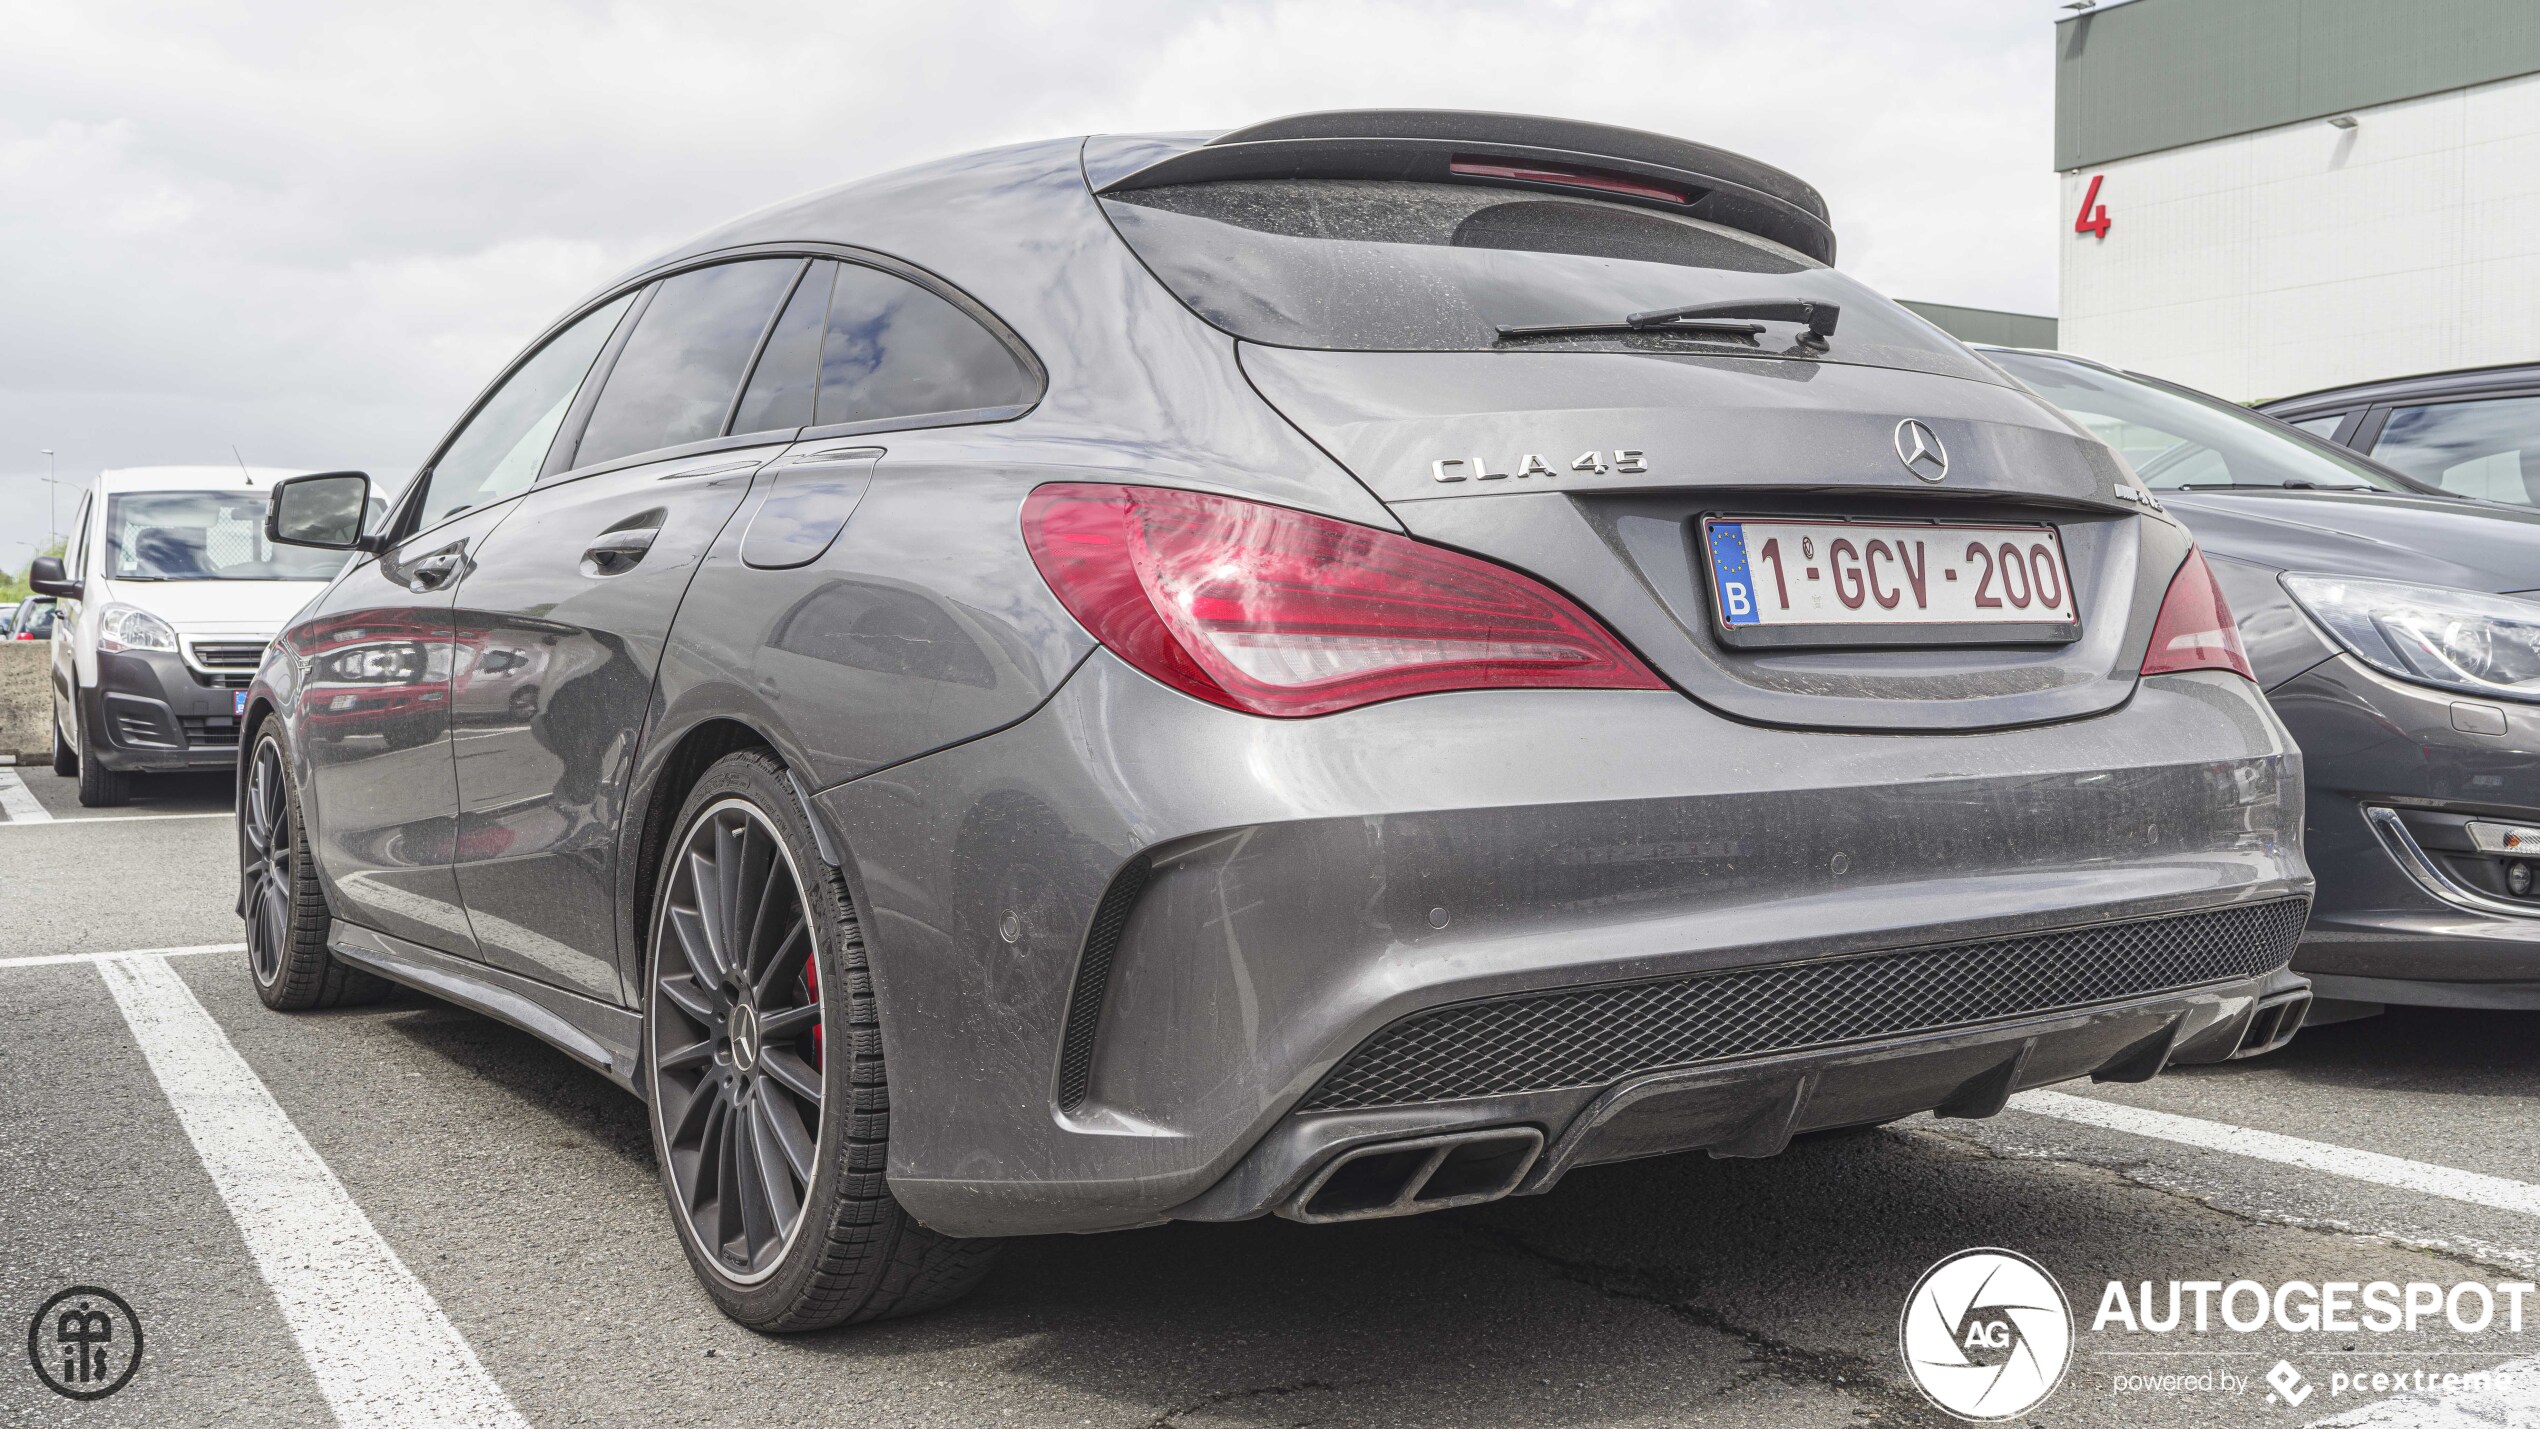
[(1594, 471)]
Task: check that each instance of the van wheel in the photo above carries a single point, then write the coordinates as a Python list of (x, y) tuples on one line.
[(65, 758), (99, 786), (772, 1135), (279, 894)]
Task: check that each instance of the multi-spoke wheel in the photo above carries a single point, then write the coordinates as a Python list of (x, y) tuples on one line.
[(736, 1039), (279, 896), (761, 1055)]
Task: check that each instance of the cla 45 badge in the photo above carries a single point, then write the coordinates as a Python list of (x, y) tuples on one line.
[(1472, 468)]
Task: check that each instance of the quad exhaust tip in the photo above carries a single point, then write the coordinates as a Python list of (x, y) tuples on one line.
[(1428, 1173)]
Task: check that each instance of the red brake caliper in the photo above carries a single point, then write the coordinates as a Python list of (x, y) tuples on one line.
[(811, 985)]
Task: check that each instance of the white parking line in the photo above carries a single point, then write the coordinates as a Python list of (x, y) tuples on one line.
[(50, 959), (19, 802), (2474, 1188), (40, 816), (381, 1350)]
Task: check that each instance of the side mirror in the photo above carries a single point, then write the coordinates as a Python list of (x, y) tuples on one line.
[(324, 510), (46, 577)]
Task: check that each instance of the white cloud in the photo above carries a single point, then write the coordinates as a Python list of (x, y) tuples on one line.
[(312, 230)]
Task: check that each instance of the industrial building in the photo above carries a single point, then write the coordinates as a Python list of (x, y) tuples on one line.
[(2264, 197)]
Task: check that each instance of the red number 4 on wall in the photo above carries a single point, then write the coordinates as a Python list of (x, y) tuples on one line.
[(2093, 217)]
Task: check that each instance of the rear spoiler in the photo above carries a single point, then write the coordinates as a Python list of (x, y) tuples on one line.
[(1512, 150)]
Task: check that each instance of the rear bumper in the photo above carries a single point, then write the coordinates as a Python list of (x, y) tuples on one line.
[(1120, 944), (1755, 1106)]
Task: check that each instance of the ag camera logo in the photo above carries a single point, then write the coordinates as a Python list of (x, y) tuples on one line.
[(1987, 1334)]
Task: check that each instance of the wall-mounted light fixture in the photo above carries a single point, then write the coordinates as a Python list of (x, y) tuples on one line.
[(2341, 121)]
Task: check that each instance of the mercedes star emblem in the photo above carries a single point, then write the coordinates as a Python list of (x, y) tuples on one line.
[(1920, 449)]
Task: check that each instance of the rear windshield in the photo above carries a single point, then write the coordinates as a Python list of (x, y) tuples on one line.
[(203, 536), (1380, 266)]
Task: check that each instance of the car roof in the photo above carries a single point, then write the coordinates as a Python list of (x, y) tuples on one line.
[(2458, 382), (192, 478)]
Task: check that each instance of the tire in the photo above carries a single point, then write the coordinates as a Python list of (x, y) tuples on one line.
[(65, 758), (279, 894), (99, 786), (721, 1091)]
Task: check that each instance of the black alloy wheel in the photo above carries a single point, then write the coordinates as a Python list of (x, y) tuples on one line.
[(264, 831), (771, 1112), (737, 1043), (281, 900)]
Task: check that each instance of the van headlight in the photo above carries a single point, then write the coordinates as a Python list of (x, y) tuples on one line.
[(2456, 639), (127, 627)]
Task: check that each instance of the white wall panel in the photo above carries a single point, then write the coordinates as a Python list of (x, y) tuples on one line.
[(2305, 256)]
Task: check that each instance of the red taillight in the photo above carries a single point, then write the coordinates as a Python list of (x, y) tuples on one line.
[(2194, 630), (1567, 178), (1275, 612)]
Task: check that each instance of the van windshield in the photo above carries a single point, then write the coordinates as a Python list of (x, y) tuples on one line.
[(1395, 266), (203, 536)]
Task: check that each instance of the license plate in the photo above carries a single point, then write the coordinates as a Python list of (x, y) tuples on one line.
[(1888, 583), (238, 704)]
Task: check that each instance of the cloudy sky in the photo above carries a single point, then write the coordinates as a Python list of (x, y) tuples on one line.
[(311, 231)]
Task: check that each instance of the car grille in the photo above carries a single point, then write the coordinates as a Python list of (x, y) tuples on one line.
[(210, 731), (229, 654), (1595, 1035)]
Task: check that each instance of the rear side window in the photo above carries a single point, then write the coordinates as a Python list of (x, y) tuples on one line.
[(676, 377), (856, 344), (1376, 265), (2490, 450), (2324, 428), (498, 453), (895, 350)]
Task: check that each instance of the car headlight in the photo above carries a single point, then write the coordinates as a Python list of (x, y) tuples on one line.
[(2456, 639), (125, 627)]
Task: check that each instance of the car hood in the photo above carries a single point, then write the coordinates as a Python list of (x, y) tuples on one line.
[(2430, 540), (227, 607)]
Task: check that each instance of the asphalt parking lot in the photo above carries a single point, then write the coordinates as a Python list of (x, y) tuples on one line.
[(519, 1191)]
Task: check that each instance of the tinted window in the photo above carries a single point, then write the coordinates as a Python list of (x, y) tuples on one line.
[(2490, 450), (896, 350), (2324, 428), (499, 452), (1369, 265), (203, 536), (675, 379), (788, 373), (2175, 441)]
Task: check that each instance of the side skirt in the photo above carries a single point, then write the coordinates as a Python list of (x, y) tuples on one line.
[(604, 1038)]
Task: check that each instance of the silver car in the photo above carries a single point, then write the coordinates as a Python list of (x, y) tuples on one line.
[(1339, 669)]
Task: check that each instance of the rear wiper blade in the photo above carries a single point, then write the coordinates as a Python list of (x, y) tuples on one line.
[(1819, 319), (1678, 329), (2266, 486)]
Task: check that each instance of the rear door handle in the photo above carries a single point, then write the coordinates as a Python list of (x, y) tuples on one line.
[(617, 551)]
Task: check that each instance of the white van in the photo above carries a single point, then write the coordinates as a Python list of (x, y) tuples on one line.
[(169, 593)]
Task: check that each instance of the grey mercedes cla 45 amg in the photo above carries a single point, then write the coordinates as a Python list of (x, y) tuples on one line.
[(1344, 668)]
